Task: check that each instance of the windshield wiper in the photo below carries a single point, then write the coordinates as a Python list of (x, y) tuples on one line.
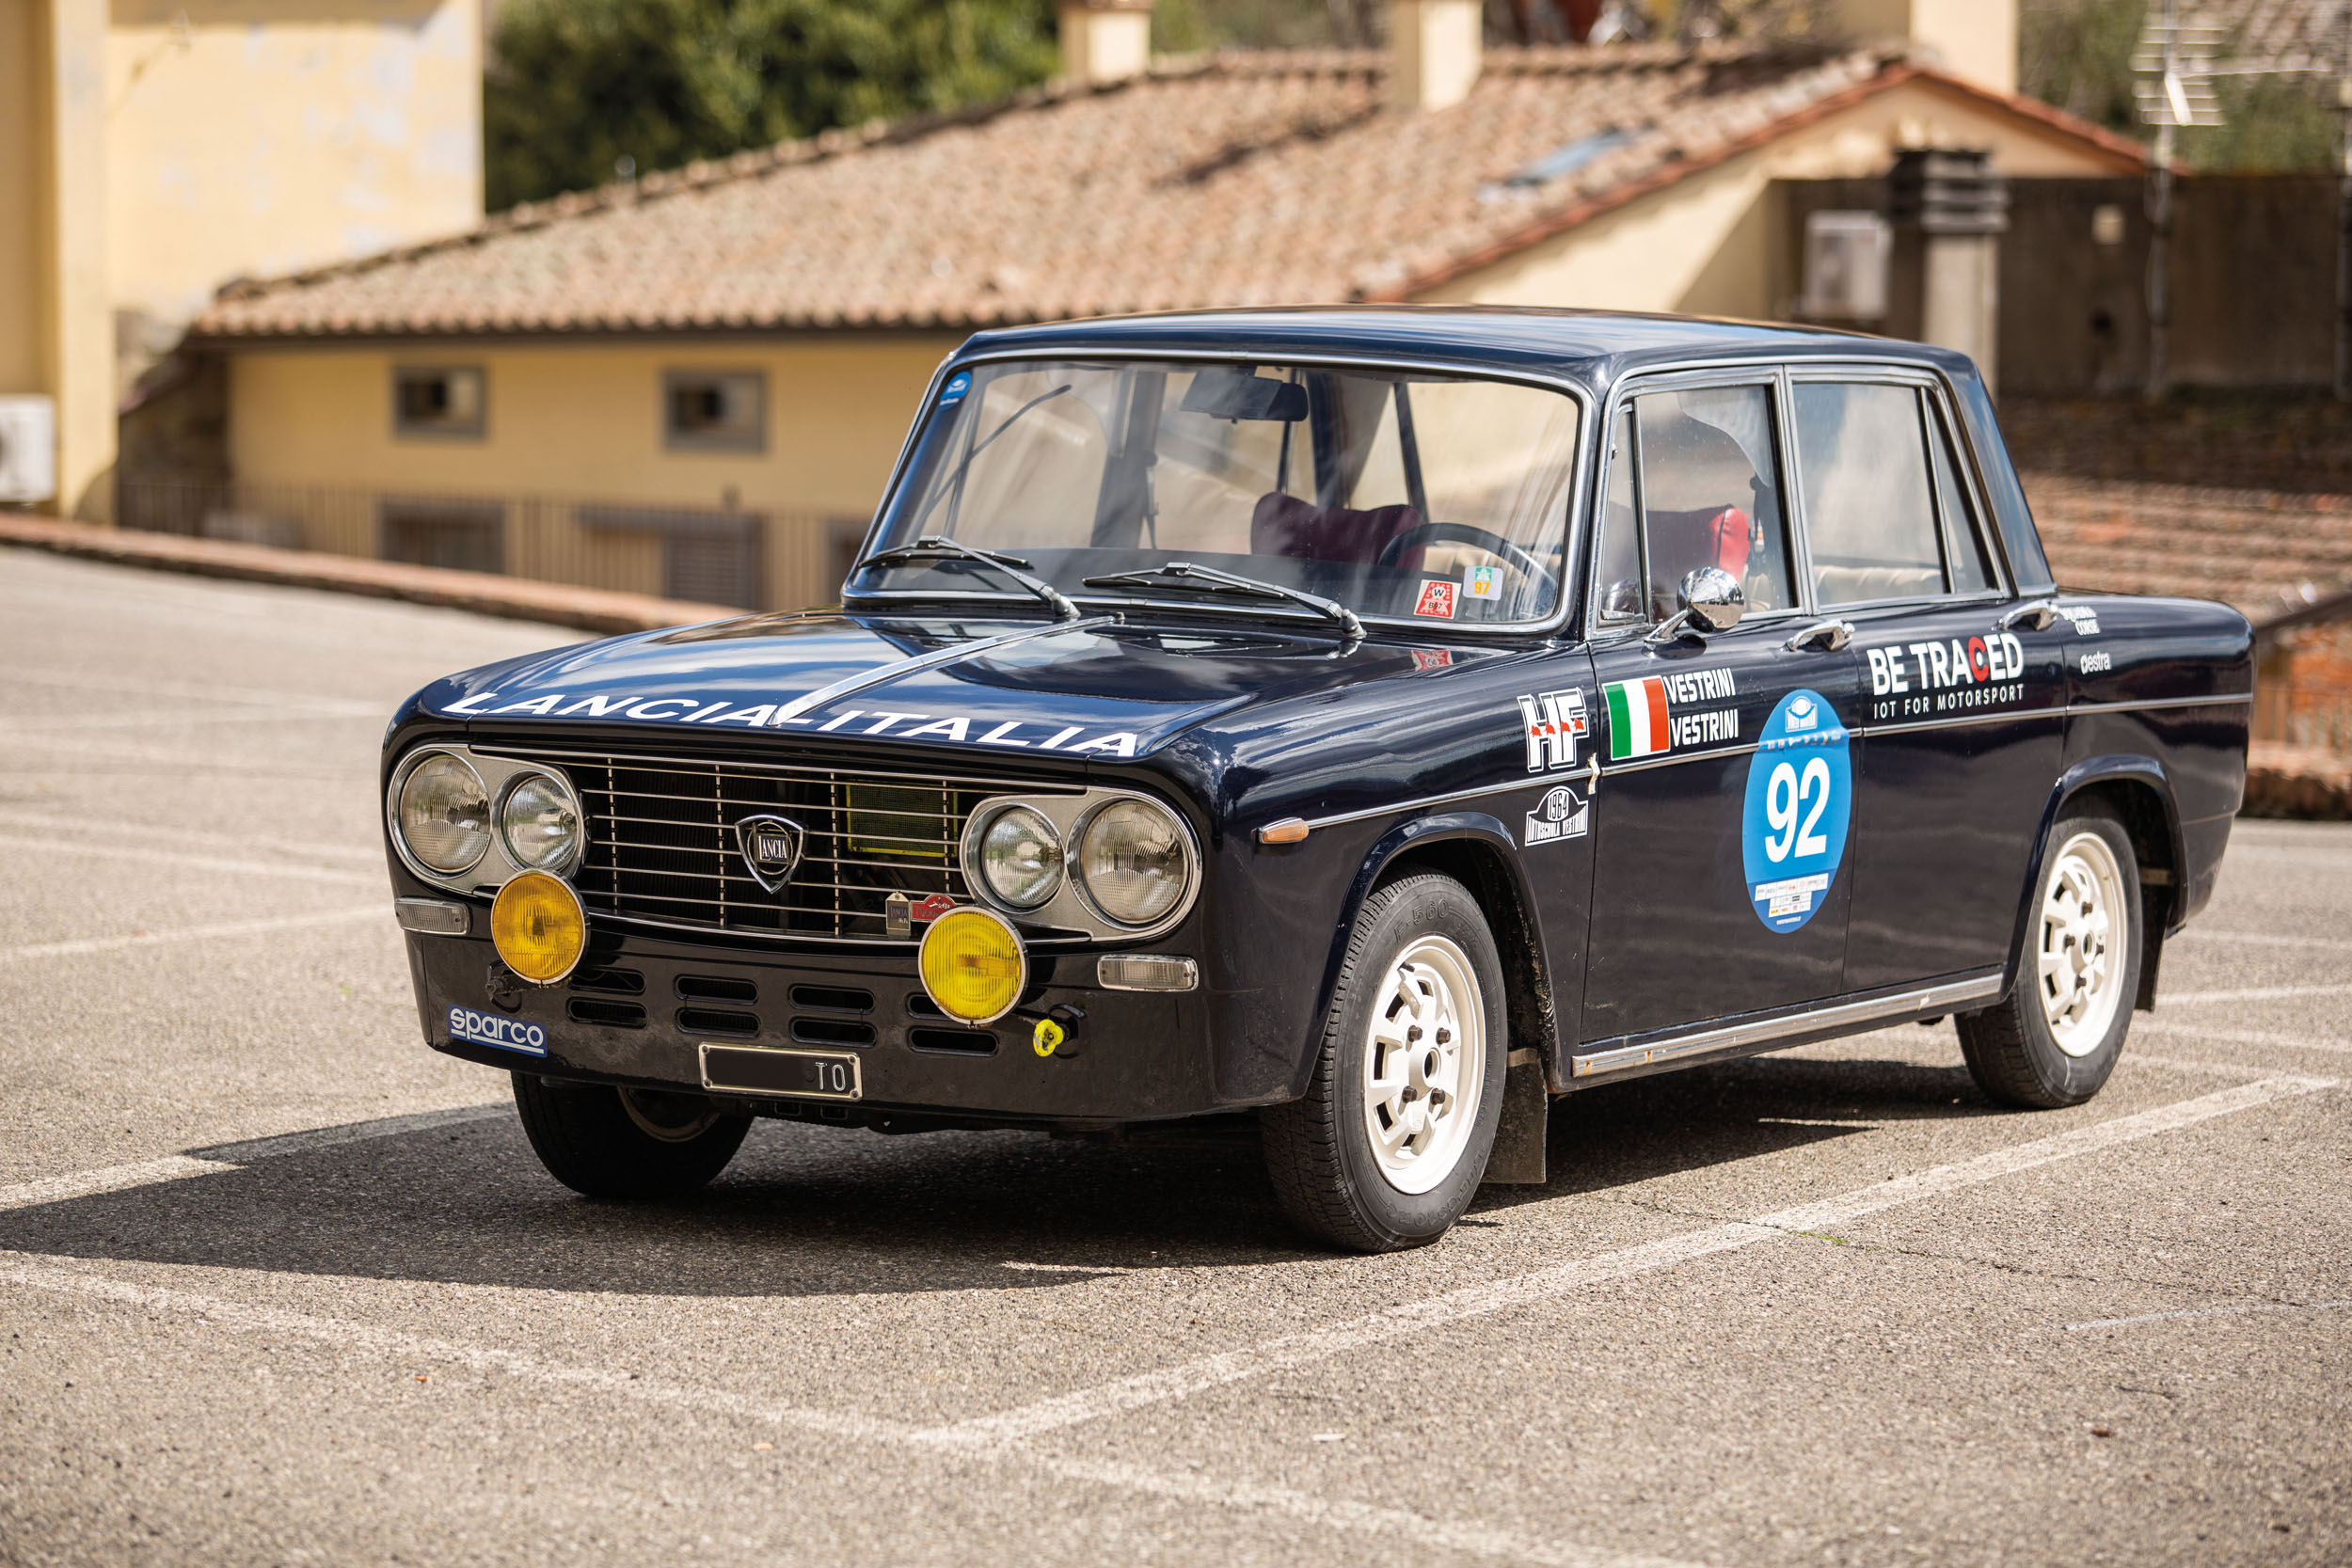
[(1208, 579), (931, 546)]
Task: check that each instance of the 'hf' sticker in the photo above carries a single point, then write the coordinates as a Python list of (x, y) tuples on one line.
[(1555, 722), (1792, 832)]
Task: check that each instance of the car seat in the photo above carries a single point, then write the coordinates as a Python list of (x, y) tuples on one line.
[(1283, 525)]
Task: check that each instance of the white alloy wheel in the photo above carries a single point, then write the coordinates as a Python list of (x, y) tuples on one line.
[(2080, 967), (1424, 1064)]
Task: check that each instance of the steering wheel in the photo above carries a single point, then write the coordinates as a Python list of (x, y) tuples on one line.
[(1461, 533)]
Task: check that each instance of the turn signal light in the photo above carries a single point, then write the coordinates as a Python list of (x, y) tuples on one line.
[(538, 927), (973, 965)]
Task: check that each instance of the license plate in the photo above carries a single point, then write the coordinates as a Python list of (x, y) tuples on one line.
[(804, 1075)]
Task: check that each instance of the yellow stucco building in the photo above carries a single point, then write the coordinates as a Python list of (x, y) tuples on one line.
[(152, 150), (695, 383)]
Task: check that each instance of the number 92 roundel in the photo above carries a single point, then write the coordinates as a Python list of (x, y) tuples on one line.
[(1792, 831)]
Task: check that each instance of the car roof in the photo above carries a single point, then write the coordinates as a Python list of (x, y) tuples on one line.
[(1596, 347)]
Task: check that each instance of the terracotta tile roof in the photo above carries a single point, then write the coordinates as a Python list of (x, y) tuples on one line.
[(1244, 179), (2284, 35), (2268, 554)]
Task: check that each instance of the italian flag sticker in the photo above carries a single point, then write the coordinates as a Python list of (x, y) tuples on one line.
[(1637, 719)]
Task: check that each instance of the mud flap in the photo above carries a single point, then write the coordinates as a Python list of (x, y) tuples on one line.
[(1517, 1159)]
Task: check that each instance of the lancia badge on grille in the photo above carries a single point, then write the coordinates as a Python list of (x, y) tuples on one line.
[(771, 848)]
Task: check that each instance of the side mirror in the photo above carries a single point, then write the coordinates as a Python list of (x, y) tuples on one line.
[(1712, 599)]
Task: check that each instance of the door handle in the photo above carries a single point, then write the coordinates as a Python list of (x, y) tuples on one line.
[(2040, 616), (1831, 634)]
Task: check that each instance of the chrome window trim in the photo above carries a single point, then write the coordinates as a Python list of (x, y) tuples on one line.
[(495, 782), (1610, 1056), (1579, 478), (1072, 907)]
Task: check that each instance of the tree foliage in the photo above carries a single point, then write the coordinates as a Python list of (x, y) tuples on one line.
[(580, 89)]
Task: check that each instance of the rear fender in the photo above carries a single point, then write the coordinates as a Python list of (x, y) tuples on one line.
[(2139, 775)]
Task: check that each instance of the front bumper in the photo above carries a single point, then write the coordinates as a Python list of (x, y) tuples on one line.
[(1133, 1057)]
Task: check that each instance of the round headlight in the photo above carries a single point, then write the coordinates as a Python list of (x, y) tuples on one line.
[(1021, 857), (973, 965), (1134, 861), (540, 823), (444, 815), (538, 927)]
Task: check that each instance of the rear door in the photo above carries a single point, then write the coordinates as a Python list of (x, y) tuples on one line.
[(1966, 706), (1721, 816)]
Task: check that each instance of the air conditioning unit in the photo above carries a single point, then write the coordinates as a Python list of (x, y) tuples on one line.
[(29, 449), (1846, 257)]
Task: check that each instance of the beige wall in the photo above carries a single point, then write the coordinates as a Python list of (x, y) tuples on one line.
[(22, 31), (260, 137), (1708, 245), (584, 421), (1975, 38)]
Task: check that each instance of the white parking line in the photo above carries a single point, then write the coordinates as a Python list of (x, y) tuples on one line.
[(192, 933), (2263, 993), (1330, 1514), (2263, 939), (1325, 1340), (148, 689), (366, 854), (211, 1162), (205, 863), (2211, 1312), (2242, 1037)]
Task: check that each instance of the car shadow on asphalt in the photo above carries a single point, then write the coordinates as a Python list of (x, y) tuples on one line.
[(807, 1211)]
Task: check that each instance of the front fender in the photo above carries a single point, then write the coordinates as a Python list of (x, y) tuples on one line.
[(1524, 946)]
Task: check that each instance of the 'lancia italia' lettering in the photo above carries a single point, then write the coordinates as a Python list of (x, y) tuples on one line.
[(1030, 734)]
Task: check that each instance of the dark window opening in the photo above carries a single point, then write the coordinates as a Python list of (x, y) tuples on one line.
[(445, 400), (711, 411)]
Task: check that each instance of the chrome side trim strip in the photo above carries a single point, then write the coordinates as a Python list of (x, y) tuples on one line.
[(1673, 758), (849, 686), (2010, 715), (1733, 1037), (2224, 701), (1531, 782)]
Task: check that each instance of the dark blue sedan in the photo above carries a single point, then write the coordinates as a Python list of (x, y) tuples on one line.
[(1360, 726)]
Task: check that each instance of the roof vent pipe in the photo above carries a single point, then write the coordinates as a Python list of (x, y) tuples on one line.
[(1432, 52), (1104, 40)]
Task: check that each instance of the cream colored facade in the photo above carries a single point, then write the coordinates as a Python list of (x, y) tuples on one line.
[(150, 150), (582, 422)]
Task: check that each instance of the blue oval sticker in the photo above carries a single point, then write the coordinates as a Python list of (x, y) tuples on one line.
[(957, 386), (1792, 832)]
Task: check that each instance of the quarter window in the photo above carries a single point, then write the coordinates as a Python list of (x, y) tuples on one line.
[(1968, 565), (714, 411), (447, 401), (1870, 512)]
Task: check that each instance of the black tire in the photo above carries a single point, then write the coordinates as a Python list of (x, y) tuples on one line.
[(1319, 1150), (2013, 1049), (649, 1145)]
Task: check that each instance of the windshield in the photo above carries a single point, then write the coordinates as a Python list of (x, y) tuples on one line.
[(1393, 493)]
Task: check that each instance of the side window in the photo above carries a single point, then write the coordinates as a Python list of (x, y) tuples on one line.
[(1870, 517), (1619, 568), (439, 401), (1711, 494), (1969, 565)]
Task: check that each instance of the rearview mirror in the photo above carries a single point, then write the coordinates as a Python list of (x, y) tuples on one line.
[(1236, 394), (1712, 599)]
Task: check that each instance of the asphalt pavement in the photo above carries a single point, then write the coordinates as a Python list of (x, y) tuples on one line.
[(280, 1285)]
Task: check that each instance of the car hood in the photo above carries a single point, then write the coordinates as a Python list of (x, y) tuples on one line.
[(1096, 688)]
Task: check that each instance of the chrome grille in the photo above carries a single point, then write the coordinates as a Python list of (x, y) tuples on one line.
[(662, 848)]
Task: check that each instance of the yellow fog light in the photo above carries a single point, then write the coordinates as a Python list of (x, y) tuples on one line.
[(973, 965), (538, 927)]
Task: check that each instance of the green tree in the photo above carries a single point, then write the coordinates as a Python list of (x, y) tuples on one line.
[(579, 90)]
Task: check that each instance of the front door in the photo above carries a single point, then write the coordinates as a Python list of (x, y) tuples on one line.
[(1722, 813)]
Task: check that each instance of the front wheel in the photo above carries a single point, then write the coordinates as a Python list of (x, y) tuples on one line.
[(2055, 1039), (1386, 1148), (611, 1143)]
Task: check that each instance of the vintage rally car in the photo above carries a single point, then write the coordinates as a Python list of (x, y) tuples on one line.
[(1368, 723)]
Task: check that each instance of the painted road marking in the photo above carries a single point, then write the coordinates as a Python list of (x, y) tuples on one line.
[(2263, 939), (1325, 1340), (193, 933), (2242, 1037), (181, 834), (2258, 994), (1330, 1514), (205, 863), (2212, 1312), (225, 1156), (147, 688)]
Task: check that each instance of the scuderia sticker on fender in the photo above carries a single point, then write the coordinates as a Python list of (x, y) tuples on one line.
[(1792, 828), (897, 724)]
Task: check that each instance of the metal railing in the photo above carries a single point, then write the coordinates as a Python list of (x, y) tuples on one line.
[(754, 559)]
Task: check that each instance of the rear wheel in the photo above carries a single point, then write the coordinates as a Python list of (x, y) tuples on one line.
[(2059, 1035), (1386, 1148), (612, 1143)]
